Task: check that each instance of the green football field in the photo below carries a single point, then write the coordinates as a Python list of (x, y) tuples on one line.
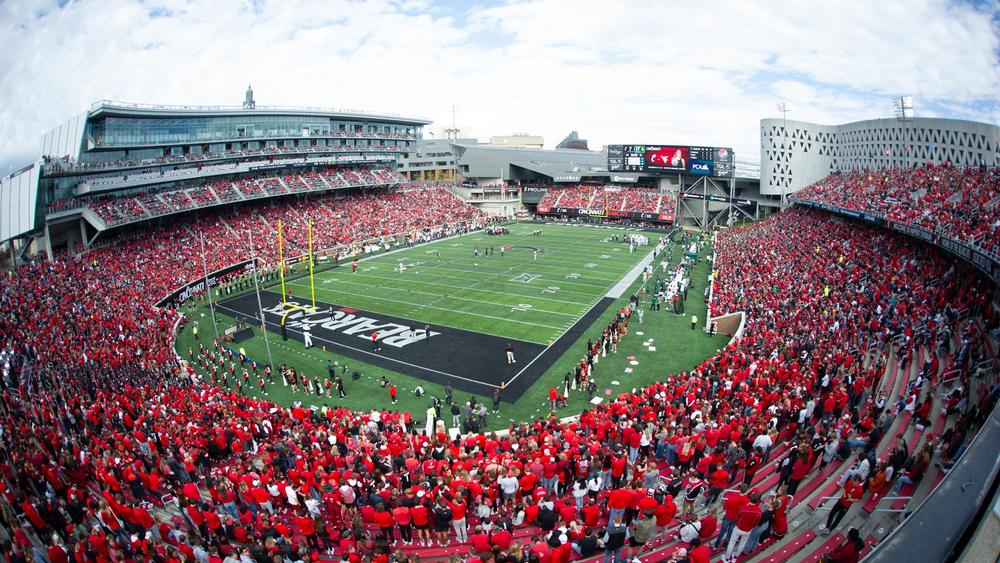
[(499, 296), (513, 295)]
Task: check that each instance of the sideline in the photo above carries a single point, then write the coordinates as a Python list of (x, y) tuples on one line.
[(626, 282)]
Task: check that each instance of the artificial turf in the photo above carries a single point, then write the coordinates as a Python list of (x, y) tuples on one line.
[(454, 288), (517, 294)]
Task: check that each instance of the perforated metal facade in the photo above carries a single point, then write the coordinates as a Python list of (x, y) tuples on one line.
[(795, 154)]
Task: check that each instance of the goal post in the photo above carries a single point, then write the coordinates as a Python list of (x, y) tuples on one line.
[(290, 307)]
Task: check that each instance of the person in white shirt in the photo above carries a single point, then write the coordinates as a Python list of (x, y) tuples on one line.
[(579, 491), (862, 469), (508, 486), (690, 529), (763, 442)]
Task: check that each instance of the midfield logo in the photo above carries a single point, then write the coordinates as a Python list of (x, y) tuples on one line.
[(346, 321)]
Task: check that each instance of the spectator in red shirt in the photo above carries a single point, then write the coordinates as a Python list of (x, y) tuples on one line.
[(746, 520), (717, 482), (480, 541), (401, 515), (850, 550), (732, 506), (385, 521), (308, 529), (699, 552), (853, 491), (709, 524), (458, 520), (618, 501), (421, 520)]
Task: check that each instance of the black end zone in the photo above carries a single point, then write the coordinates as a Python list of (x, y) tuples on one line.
[(466, 360)]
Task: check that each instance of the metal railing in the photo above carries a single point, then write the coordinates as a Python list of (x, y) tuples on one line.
[(194, 107), (946, 380)]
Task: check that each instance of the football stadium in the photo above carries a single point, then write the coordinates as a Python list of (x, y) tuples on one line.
[(257, 333)]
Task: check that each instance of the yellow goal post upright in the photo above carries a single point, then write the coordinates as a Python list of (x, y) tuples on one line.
[(291, 307)]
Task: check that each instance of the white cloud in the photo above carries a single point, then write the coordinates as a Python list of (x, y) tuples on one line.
[(665, 71)]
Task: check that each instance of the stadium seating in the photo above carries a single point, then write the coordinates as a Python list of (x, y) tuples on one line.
[(144, 458), (960, 203), (123, 209), (616, 198)]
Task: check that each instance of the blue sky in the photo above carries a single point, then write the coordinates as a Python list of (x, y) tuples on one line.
[(666, 71)]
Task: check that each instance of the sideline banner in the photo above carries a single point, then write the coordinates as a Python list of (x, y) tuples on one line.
[(666, 217), (183, 293)]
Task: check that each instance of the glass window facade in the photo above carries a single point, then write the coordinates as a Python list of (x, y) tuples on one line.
[(132, 131)]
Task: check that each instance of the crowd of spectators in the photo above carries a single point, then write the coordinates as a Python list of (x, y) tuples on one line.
[(569, 196), (114, 451), (639, 200), (960, 203), (615, 198), (153, 203)]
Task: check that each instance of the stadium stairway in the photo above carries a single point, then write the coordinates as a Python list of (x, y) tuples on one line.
[(803, 542), (872, 518), (227, 226)]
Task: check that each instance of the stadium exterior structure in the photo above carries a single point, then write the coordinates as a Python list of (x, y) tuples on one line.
[(502, 180), (116, 149), (795, 154)]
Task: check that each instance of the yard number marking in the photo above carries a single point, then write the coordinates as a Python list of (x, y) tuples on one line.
[(521, 307), (526, 278)]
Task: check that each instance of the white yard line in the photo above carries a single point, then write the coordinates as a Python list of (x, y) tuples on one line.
[(438, 295), (622, 286), (547, 348), (449, 309), (630, 277)]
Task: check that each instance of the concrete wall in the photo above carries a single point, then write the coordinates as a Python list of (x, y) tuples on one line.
[(795, 154), (65, 140), (18, 201)]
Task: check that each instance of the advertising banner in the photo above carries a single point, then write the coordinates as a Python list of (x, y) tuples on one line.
[(196, 287)]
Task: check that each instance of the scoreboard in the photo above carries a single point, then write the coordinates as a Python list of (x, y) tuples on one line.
[(697, 161)]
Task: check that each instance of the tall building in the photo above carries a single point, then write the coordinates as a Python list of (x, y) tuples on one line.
[(573, 141), (517, 141), (116, 149), (795, 154)]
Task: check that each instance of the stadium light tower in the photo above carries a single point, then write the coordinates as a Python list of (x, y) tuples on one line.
[(904, 113), (452, 133)]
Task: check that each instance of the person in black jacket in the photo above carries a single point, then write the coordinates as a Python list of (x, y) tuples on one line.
[(587, 545), (614, 538), (442, 521), (546, 518)]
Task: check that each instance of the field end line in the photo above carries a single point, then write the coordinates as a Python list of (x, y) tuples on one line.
[(373, 354)]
